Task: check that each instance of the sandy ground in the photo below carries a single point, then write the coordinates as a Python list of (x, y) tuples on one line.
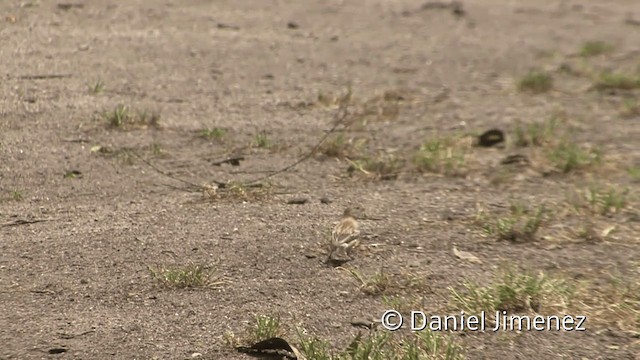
[(86, 208)]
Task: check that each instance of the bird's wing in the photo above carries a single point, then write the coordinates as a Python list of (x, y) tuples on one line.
[(344, 233)]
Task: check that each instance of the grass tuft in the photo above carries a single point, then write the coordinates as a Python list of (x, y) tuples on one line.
[(514, 291), (594, 48), (537, 134), (569, 157), (634, 173), (16, 195), (443, 156), (616, 81), (536, 82), (630, 108), (521, 225), (601, 200), (261, 140), (186, 277), (383, 282), (314, 347), (97, 87), (614, 300), (384, 168), (266, 327), (384, 345), (123, 118), (337, 146), (212, 134), (236, 190)]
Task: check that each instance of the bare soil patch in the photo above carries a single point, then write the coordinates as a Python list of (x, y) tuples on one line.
[(140, 216)]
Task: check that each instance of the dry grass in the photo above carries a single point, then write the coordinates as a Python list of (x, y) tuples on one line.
[(536, 82), (595, 48), (236, 191), (520, 225), (383, 282), (385, 345), (188, 276), (613, 301), (445, 156), (536, 134), (630, 108), (514, 291), (568, 157), (124, 118), (616, 81), (212, 133), (600, 200), (381, 167), (337, 146)]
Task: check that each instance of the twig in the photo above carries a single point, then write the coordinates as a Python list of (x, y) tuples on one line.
[(44, 76), (234, 161), (339, 117), (161, 172), (71, 336), (23, 222)]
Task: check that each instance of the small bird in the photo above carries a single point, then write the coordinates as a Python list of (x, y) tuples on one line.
[(345, 235)]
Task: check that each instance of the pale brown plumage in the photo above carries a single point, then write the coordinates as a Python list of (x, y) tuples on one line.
[(345, 235)]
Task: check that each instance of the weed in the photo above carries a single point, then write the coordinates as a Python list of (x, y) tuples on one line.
[(630, 108), (72, 174), (266, 327), (230, 338), (614, 299), (568, 157), (375, 285), (513, 291), (384, 345), (536, 82), (432, 345), (384, 283), (189, 276), (235, 190), (634, 173), (97, 87), (124, 155), (16, 195), (213, 133), (380, 168), (521, 225), (501, 175), (616, 81), (148, 119), (537, 134), (157, 150), (443, 156), (594, 48), (378, 108), (118, 117), (330, 100), (600, 200), (589, 233), (336, 146), (123, 118), (314, 348), (261, 140), (378, 345)]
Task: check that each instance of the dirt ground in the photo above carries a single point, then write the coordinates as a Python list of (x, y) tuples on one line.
[(88, 204)]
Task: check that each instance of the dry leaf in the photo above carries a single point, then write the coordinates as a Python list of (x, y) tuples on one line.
[(466, 256)]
